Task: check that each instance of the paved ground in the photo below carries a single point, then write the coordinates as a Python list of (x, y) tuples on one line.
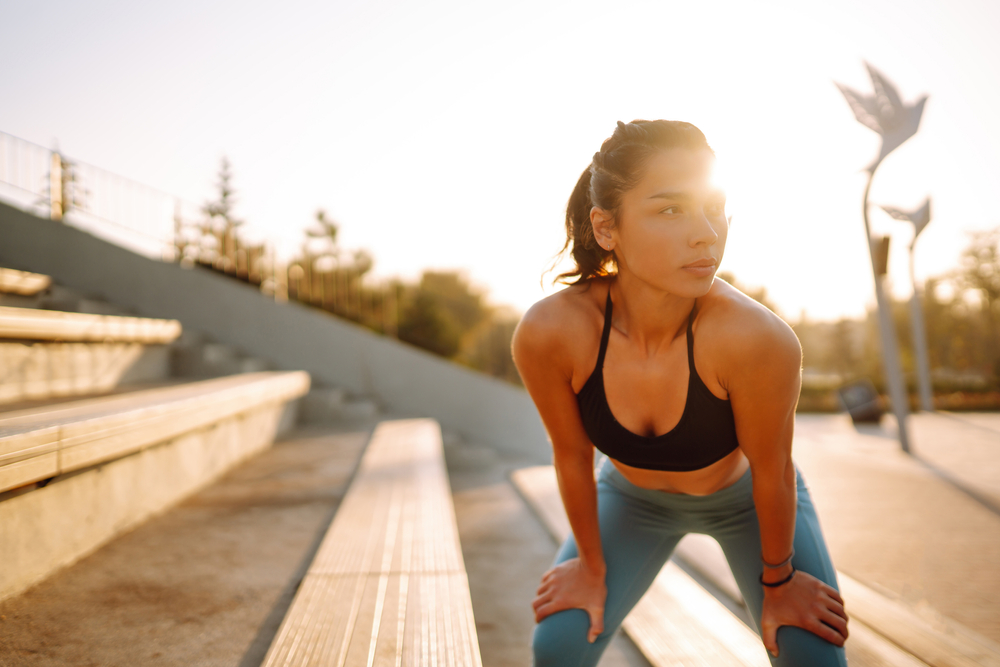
[(925, 528), (206, 583)]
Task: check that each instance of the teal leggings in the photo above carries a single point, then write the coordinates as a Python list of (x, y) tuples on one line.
[(639, 530)]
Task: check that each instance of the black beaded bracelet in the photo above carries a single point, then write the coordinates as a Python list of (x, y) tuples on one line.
[(777, 583)]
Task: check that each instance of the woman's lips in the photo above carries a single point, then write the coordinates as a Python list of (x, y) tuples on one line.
[(701, 268)]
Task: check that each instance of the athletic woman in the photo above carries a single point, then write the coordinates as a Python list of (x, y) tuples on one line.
[(689, 388)]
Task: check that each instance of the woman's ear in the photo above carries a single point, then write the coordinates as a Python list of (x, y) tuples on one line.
[(603, 224)]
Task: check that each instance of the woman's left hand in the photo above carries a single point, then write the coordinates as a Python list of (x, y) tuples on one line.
[(805, 602)]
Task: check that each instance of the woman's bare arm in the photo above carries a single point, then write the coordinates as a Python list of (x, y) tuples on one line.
[(544, 360), (763, 388)]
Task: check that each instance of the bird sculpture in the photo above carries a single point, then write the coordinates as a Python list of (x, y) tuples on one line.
[(885, 113), (919, 217)]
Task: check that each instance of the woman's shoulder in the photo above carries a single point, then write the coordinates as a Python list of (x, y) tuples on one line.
[(564, 322), (731, 321)]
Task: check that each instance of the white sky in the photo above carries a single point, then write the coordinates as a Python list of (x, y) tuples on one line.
[(449, 134)]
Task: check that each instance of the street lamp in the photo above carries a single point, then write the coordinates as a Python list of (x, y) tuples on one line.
[(919, 218), (895, 122)]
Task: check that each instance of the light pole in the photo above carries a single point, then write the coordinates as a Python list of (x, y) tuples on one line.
[(919, 219), (885, 113)]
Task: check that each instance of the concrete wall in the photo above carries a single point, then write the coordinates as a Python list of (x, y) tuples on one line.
[(44, 529), (400, 377)]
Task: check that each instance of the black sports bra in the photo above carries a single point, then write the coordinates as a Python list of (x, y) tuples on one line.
[(705, 434)]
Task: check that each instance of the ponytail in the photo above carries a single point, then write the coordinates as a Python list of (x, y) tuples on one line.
[(591, 259)]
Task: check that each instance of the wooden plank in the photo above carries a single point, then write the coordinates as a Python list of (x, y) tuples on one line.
[(387, 587), (82, 433), (941, 644), (676, 621), (13, 281), (52, 325)]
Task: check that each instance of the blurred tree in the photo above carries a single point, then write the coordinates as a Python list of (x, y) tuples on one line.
[(219, 219), (979, 272), (222, 208), (487, 347), (325, 234), (441, 312), (424, 322)]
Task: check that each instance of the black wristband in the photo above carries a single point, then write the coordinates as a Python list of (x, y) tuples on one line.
[(777, 583)]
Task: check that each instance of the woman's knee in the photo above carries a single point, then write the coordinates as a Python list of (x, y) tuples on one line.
[(797, 646), (561, 639)]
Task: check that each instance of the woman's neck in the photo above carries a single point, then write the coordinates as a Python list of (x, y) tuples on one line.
[(649, 317)]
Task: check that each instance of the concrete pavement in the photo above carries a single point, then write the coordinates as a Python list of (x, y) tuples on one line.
[(924, 528)]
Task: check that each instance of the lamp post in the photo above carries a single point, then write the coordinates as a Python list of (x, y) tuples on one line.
[(885, 113), (919, 219)]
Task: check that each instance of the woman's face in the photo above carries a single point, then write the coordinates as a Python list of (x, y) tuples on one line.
[(672, 225)]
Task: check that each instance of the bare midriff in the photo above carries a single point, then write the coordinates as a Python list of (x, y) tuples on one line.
[(724, 472)]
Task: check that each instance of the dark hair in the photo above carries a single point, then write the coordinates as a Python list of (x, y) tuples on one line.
[(615, 169)]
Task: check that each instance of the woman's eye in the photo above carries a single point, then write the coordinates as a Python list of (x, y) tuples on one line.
[(671, 210)]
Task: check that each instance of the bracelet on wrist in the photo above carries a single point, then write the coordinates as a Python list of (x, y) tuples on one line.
[(777, 583), (782, 563)]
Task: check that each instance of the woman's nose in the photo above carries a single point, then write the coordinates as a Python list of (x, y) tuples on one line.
[(704, 232)]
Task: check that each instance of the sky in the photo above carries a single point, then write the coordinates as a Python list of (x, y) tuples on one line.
[(448, 135)]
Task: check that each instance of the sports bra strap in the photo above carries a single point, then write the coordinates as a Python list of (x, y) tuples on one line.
[(607, 332), (690, 337)]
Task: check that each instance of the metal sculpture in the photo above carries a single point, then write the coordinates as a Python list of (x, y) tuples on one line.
[(919, 218), (895, 122)]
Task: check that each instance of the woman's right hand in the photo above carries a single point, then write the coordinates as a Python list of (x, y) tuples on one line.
[(569, 585)]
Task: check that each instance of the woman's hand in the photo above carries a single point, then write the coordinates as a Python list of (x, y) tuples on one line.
[(569, 585), (805, 602)]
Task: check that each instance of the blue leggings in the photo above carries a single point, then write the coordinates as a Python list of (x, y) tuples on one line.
[(639, 530)]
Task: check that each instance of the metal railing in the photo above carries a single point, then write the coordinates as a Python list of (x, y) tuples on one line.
[(164, 227)]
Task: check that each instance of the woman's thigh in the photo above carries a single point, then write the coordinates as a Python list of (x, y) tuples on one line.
[(740, 540), (637, 539)]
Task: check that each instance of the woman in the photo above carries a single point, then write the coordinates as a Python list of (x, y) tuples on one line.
[(698, 437)]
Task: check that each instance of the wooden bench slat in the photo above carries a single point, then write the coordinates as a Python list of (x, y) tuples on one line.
[(937, 645), (35, 324), (403, 492), (388, 586)]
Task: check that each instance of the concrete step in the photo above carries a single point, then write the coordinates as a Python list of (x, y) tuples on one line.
[(75, 474), (193, 355), (22, 283), (47, 354), (325, 405), (58, 326), (32, 371), (41, 443)]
